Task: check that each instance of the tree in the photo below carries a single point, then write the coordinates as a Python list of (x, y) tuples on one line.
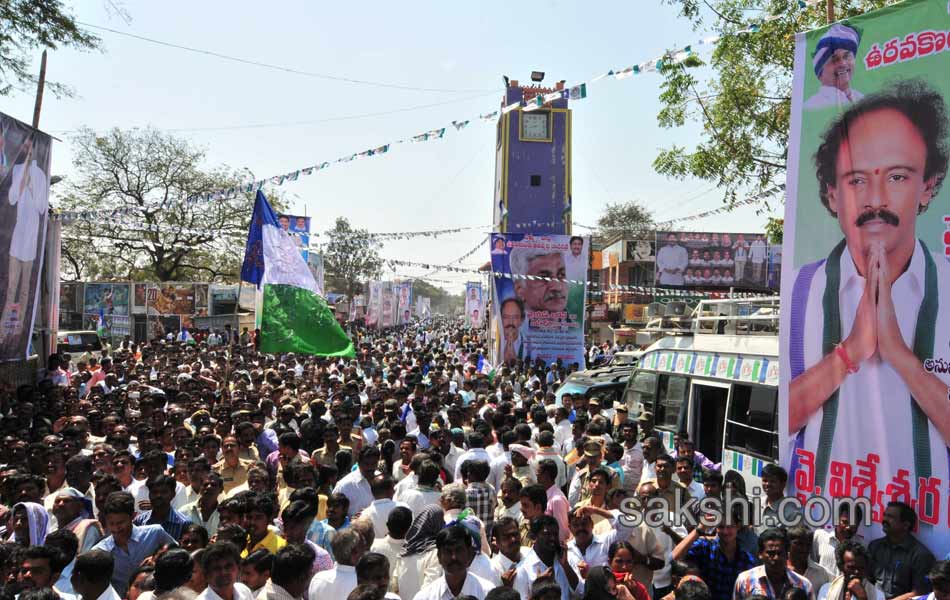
[(626, 219), (745, 108), (165, 238), (350, 258), (31, 24)]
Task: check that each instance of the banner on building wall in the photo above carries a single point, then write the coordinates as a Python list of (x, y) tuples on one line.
[(711, 260), (865, 360), (107, 298), (474, 306), (374, 305), (539, 318), (24, 207)]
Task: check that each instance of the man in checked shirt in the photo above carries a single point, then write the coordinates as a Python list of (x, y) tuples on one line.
[(479, 496)]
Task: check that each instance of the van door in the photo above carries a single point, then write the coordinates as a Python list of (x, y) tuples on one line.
[(708, 408)]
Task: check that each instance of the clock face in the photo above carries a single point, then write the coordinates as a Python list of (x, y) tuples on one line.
[(534, 126)]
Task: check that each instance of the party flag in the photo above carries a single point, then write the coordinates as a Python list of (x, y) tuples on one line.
[(294, 317)]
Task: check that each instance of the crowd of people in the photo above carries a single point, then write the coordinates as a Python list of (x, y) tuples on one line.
[(174, 469)]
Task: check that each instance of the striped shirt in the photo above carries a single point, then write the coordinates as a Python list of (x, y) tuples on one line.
[(755, 582)]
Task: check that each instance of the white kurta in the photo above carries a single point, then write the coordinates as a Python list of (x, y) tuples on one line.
[(671, 257), (32, 202), (874, 407)]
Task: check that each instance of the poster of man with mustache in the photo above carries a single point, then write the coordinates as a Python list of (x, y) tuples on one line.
[(539, 312), (865, 332)]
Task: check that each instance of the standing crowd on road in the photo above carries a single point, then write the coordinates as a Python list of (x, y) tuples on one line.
[(175, 469)]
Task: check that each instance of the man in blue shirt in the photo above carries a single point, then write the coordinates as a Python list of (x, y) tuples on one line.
[(719, 558), (129, 544), (161, 491)]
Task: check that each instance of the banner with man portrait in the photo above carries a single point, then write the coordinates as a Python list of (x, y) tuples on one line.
[(387, 314), (374, 306), (24, 206), (712, 260), (404, 300), (474, 305), (540, 293), (299, 229), (865, 322)]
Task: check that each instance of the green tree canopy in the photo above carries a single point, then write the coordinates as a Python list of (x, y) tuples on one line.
[(624, 219), (741, 96), (165, 238), (350, 258), (27, 25)]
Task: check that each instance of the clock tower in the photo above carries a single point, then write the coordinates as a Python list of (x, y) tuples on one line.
[(533, 161)]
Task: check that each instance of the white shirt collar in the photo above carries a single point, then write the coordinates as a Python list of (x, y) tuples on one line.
[(109, 594), (913, 276)]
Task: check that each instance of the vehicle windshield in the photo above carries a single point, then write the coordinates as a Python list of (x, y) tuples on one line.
[(79, 342)]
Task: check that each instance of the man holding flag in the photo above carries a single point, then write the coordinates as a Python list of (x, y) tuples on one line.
[(295, 317)]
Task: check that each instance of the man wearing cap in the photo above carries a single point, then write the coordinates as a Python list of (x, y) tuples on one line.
[(645, 422), (833, 62), (72, 513), (593, 456)]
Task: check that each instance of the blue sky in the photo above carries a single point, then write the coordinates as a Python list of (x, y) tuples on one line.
[(446, 45)]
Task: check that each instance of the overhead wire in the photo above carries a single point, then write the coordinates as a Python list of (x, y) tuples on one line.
[(325, 76)]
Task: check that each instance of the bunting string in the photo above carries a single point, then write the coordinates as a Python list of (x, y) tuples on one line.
[(573, 93)]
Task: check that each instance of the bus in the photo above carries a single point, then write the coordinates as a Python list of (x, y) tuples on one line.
[(719, 382)]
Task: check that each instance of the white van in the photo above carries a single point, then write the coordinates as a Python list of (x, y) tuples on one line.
[(77, 343)]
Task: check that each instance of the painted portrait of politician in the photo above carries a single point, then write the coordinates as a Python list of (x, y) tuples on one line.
[(866, 324)]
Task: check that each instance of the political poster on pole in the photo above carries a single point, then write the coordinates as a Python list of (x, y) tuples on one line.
[(865, 324), (375, 305), (387, 316), (474, 306), (404, 291), (299, 229), (24, 207), (540, 294)]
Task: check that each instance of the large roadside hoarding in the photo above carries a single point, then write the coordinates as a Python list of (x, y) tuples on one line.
[(24, 214), (865, 361), (540, 307), (711, 260)]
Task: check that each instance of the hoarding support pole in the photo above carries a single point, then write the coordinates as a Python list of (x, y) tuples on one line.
[(831, 11), (40, 85)]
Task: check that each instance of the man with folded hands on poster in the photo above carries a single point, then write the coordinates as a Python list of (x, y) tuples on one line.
[(860, 384)]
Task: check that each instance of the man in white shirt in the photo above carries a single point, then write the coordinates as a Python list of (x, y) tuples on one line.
[(455, 547), (338, 582), (383, 503), (825, 544), (671, 262), (833, 62), (355, 486), (476, 444), (575, 261), (546, 554), (861, 390), (220, 564), (757, 255), (853, 582), (393, 543), (92, 575)]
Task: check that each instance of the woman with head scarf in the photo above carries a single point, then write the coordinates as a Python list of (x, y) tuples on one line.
[(30, 521), (419, 562)]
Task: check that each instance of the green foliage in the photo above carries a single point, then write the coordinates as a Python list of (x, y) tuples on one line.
[(774, 229), (624, 219), (182, 241), (28, 25), (442, 301), (744, 108), (350, 258)]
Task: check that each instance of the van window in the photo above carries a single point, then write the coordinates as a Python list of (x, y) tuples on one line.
[(752, 423), (642, 391), (670, 397), (78, 342)]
